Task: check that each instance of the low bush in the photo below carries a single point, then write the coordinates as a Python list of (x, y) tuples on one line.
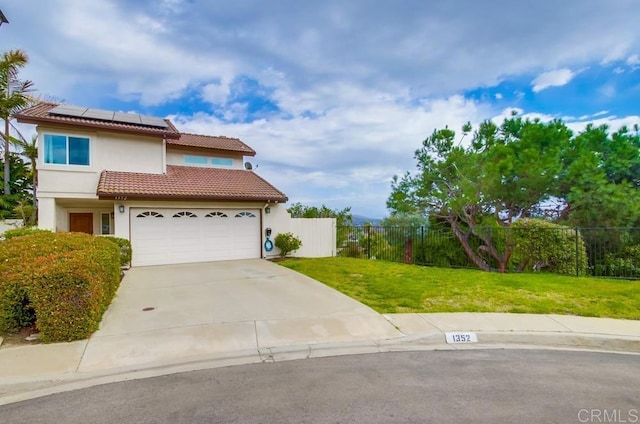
[(625, 263), (287, 243), (67, 279), (125, 250), (351, 250)]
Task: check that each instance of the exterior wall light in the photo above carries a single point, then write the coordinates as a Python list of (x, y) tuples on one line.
[(267, 210), (121, 208)]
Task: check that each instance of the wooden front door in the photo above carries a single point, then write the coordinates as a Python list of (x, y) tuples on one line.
[(81, 223)]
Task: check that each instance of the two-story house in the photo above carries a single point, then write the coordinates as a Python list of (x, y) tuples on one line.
[(178, 197)]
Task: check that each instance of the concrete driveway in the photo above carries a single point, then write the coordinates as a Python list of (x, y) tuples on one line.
[(165, 313)]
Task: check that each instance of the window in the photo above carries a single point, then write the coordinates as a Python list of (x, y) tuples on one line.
[(221, 162), (195, 160), (207, 161), (64, 150), (105, 223)]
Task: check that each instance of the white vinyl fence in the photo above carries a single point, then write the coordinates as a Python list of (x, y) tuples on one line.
[(318, 237)]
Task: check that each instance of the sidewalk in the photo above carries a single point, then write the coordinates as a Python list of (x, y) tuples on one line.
[(31, 371)]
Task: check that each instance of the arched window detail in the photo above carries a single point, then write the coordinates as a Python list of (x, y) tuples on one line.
[(245, 215), (150, 214), (185, 214), (216, 214)]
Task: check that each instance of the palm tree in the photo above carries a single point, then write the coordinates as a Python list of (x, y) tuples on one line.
[(28, 149), (14, 96)]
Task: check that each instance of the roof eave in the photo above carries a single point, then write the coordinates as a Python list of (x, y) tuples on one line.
[(151, 196), (25, 119)]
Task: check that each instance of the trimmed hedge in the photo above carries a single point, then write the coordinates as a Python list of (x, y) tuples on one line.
[(125, 250), (67, 279), (19, 232)]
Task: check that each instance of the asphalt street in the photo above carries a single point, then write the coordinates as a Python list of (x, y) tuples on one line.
[(466, 386)]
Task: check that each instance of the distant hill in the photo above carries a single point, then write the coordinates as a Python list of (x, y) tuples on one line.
[(361, 220)]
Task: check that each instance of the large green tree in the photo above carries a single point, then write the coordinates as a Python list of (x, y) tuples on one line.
[(14, 96), (519, 169), (600, 180), (343, 216)]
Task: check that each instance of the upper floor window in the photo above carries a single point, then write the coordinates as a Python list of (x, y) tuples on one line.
[(66, 150), (207, 161), (195, 160), (221, 161)]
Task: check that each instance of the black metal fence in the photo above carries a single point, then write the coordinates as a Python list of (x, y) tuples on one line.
[(598, 252)]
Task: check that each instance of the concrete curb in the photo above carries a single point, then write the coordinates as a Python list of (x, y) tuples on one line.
[(19, 389)]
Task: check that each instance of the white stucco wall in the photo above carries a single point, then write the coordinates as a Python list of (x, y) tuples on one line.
[(47, 213), (111, 151)]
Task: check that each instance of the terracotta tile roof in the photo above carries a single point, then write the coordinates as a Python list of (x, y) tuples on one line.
[(212, 142), (187, 182), (39, 114)]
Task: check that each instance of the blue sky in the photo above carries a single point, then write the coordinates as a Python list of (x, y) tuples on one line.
[(335, 96)]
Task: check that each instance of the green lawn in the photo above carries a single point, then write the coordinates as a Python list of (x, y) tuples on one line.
[(397, 288)]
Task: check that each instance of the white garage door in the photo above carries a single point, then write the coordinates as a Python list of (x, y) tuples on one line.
[(174, 236)]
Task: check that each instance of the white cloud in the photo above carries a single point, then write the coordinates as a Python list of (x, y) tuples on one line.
[(555, 78), (617, 52), (357, 87), (613, 122), (215, 93), (633, 60), (350, 152)]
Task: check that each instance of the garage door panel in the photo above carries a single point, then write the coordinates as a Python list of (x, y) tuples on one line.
[(166, 236)]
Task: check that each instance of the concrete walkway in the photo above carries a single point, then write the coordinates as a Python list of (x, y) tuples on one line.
[(239, 312)]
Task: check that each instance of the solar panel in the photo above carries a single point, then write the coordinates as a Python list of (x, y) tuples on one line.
[(109, 116), (127, 118), (67, 110), (153, 121), (104, 115)]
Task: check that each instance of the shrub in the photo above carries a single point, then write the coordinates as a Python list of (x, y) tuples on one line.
[(287, 243), (550, 247), (351, 250), (19, 232), (625, 263), (69, 279), (125, 250), (373, 242), (16, 310)]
